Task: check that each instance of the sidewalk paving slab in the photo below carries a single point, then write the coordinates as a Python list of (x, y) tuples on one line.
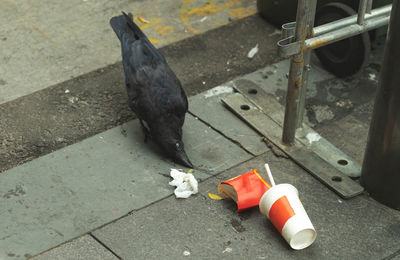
[(207, 106), (349, 135), (359, 228), (83, 248), (74, 190)]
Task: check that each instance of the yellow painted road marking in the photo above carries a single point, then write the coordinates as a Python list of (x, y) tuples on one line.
[(241, 12), (164, 29)]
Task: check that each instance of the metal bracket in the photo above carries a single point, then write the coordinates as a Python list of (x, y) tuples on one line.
[(319, 157), (288, 29), (287, 46)]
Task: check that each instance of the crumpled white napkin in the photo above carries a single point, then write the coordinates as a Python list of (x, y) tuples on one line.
[(186, 184)]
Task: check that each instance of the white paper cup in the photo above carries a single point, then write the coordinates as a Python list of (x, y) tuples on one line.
[(281, 204)]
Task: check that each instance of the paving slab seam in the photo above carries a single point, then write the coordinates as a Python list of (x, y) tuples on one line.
[(224, 135), (392, 256), (105, 246), (83, 247), (71, 240)]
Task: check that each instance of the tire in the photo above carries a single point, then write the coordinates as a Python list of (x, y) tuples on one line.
[(348, 56)]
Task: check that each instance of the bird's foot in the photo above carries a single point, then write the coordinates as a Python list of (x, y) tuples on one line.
[(146, 131)]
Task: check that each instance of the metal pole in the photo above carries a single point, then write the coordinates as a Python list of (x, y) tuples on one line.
[(328, 27), (361, 11), (307, 66), (304, 10), (380, 173), (369, 6), (346, 32)]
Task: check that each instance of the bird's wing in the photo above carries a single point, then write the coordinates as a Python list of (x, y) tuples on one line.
[(153, 88), (160, 94), (138, 60)]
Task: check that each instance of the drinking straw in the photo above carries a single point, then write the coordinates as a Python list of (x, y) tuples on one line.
[(271, 179)]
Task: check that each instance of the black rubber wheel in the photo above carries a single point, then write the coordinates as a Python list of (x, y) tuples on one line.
[(347, 56)]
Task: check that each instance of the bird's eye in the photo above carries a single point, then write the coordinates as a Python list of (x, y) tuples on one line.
[(177, 145)]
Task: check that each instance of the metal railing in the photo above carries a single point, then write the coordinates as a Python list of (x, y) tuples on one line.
[(300, 38)]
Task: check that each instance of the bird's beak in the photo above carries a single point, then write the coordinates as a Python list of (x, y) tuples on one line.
[(183, 159)]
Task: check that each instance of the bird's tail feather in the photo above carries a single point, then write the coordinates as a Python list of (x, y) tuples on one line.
[(119, 25), (136, 30), (124, 24)]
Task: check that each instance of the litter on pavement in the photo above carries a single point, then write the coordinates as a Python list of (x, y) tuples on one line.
[(246, 189), (186, 184)]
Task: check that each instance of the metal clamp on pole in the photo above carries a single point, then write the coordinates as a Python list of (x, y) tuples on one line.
[(288, 47), (288, 29)]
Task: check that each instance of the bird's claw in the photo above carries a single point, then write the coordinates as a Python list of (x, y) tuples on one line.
[(146, 131)]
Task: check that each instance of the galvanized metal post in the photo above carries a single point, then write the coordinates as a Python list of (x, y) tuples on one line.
[(380, 173), (307, 66), (305, 9), (369, 6), (361, 11)]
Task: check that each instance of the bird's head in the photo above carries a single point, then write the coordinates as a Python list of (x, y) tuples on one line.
[(169, 137), (175, 149)]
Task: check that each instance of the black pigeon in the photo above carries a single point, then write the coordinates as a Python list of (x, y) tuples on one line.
[(154, 92)]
